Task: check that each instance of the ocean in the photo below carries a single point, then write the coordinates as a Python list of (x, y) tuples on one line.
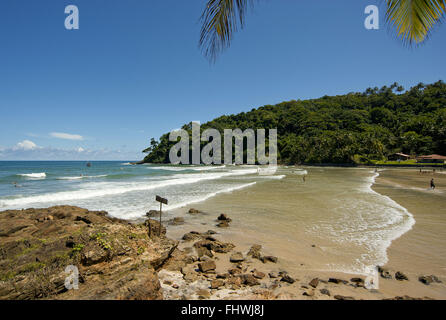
[(334, 208)]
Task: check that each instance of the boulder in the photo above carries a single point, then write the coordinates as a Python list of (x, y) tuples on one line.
[(273, 274), (207, 266), (288, 279), (153, 213), (217, 283), (193, 211), (249, 280), (236, 257), (427, 280), (223, 224)]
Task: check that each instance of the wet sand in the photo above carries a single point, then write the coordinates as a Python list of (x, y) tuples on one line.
[(418, 252), (421, 251)]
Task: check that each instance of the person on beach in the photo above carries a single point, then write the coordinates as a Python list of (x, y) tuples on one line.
[(303, 178), (432, 184)]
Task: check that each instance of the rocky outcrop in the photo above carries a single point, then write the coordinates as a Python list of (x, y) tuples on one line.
[(114, 258)]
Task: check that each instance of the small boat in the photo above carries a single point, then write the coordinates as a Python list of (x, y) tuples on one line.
[(89, 164)]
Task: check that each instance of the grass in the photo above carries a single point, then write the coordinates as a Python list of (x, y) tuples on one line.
[(410, 162)]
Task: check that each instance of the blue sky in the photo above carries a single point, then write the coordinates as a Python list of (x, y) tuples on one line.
[(134, 70)]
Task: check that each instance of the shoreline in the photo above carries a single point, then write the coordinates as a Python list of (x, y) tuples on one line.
[(280, 279)]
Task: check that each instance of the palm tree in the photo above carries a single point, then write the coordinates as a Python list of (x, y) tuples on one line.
[(412, 20)]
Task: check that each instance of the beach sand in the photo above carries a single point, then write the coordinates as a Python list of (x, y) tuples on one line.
[(418, 252)]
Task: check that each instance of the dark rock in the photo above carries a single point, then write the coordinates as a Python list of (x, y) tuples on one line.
[(427, 280), (224, 217), (193, 211), (325, 292), (337, 281), (234, 271), (339, 297), (288, 279), (254, 251), (153, 213), (400, 276), (314, 283), (273, 274), (269, 258)]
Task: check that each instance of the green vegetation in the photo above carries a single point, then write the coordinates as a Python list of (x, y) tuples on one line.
[(100, 239), (346, 129)]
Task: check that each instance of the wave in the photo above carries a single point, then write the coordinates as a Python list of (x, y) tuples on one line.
[(398, 219), (81, 177), (187, 168), (301, 172), (40, 175), (109, 189)]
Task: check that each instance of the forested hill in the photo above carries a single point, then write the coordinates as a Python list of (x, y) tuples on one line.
[(355, 127)]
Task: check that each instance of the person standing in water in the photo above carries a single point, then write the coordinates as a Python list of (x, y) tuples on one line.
[(432, 184)]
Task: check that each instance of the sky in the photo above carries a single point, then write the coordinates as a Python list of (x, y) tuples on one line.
[(133, 70)]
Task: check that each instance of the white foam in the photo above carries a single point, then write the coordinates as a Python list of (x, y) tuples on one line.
[(107, 189), (40, 175), (81, 177), (300, 172)]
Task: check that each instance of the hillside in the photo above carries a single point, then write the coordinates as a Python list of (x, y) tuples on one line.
[(351, 128)]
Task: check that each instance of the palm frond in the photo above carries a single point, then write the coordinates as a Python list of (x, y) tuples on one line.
[(220, 19), (414, 19)]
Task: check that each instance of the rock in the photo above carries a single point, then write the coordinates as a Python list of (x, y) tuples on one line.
[(269, 258), (325, 292), (254, 251), (258, 274), (190, 236), (223, 224), (153, 228), (339, 297), (288, 279), (400, 276), (234, 271), (177, 221), (153, 213), (359, 282), (314, 283), (308, 292), (207, 266), (337, 281), (193, 211), (203, 294), (116, 260), (273, 274), (215, 246), (236, 257), (215, 284), (224, 217), (427, 280), (249, 280)]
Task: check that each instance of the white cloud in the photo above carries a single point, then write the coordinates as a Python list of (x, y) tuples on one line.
[(66, 136), (80, 149), (26, 145)]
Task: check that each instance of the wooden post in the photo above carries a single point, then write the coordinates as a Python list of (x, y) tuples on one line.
[(161, 225), (161, 201)]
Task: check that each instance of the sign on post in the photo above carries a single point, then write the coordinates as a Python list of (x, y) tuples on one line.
[(161, 201)]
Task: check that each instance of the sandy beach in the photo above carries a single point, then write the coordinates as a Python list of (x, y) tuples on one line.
[(418, 252)]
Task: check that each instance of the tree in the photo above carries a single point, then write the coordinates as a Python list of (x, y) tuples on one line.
[(412, 20)]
